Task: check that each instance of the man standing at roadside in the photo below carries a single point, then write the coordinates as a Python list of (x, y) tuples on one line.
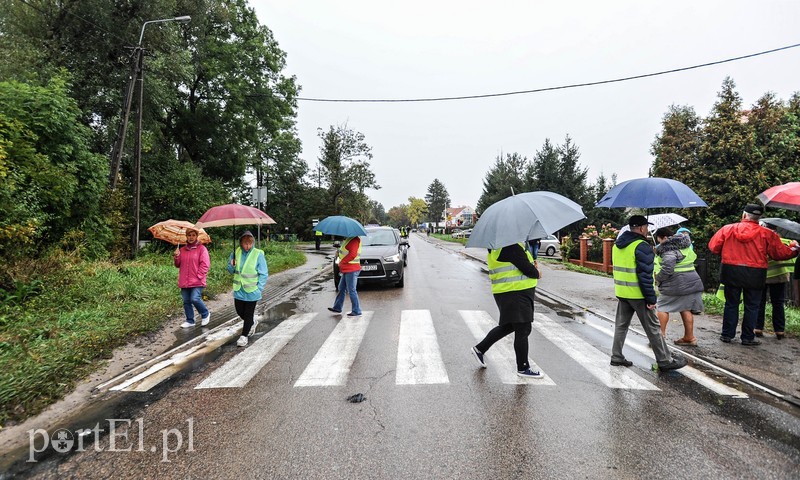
[(633, 260), (745, 248)]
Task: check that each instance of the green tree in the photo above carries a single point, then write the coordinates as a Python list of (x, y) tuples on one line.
[(676, 148), (437, 200), (345, 170), (398, 215), (506, 175), (52, 182), (417, 210)]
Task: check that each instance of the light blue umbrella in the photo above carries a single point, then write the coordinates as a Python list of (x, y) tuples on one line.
[(523, 217), (651, 192), (341, 226)]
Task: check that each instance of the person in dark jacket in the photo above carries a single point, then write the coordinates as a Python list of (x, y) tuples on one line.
[(680, 288), (514, 275), (633, 260), (746, 247)]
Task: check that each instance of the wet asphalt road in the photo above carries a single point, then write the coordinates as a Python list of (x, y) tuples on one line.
[(475, 426)]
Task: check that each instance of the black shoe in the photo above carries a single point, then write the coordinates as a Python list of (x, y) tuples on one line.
[(725, 339), (751, 343), (330, 309), (621, 363), (676, 363), (758, 333)]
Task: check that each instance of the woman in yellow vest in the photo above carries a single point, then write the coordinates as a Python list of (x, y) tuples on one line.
[(249, 268), (514, 275), (680, 288)]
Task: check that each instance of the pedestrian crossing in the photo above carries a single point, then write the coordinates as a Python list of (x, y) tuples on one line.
[(421, 361)]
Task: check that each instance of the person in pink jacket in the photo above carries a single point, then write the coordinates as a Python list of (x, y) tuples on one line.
[(193, 263)]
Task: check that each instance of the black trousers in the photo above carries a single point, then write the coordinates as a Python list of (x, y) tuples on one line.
[(245, 310), (317, 242), (521, 332)]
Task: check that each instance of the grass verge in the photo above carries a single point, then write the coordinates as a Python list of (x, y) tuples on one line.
[(83, 310), (715, 306)]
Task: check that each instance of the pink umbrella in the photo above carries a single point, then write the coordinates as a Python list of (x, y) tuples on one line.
[(233, 214), (782, 196)]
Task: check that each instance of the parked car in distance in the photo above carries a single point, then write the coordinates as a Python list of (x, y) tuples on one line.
[(462, 233), (550, 246), (383, 256)]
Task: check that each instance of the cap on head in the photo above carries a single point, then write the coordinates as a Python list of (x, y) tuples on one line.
[(683, 230), (246, 233), (754, 209), (638, 221)]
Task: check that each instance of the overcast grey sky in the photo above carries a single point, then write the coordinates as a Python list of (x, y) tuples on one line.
[(435, 48)]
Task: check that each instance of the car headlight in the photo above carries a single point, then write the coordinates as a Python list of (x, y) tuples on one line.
[(393, 258)]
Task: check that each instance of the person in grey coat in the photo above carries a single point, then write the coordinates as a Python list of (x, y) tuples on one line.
[(679, 286)]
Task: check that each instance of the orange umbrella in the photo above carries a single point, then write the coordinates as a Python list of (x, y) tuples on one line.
[(174, 232)]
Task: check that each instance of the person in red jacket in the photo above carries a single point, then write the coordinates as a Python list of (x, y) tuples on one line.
[(745, 248), (349, 267)]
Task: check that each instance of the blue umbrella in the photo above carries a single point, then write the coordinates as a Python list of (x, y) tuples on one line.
[(652, 192), (523, 217), (341, 226)]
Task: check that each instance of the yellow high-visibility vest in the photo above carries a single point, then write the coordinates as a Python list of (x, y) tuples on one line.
[(626, 283), (685, 265), (506, 277), (344, 251), (777, 268), (245, 277)]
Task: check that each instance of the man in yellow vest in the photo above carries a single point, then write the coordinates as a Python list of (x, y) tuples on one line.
[(249, 268), (633, 259), (778, 274), (514, 275), (317, 239)]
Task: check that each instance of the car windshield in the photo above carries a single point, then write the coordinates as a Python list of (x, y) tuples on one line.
[(379, 237)]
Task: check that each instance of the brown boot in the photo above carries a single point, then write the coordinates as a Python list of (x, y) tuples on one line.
[(759, 333), (779, 335)]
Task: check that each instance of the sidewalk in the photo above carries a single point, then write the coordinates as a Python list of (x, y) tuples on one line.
[(772, 364)]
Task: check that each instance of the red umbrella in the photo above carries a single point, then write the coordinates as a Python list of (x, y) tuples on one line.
[(782, 196), (233, 214)]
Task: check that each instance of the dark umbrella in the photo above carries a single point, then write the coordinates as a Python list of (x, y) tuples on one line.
[(651, 192), (785, 228)]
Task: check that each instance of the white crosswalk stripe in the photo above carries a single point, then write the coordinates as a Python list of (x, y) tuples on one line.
[(332, 362), (419, 360), (237, 371), (419, 356), (501, 356), (593, 360)]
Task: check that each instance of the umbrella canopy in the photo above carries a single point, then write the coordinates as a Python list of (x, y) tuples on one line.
[(341, 226), (652, 192), (233, 214), (782, 196), (174, 232), (659, 220), (785, 228), (523, 217)]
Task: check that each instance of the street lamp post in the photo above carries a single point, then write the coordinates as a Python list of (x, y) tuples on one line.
[(117, 152)]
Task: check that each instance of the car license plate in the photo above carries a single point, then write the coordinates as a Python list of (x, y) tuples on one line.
[(369, 267)]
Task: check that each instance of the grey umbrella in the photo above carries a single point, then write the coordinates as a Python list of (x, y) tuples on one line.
[(523, 217), (785, 228)]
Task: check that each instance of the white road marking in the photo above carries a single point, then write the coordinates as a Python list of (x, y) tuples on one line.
[(593, 360), (332, 362), (501, 356), (237, 371), (687, 371), (419, 360)]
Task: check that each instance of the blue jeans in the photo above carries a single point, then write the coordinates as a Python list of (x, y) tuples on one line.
[(193, 297), (348, 284), (730, 315)]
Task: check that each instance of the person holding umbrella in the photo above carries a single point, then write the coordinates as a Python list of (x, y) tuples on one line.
[(633, 260), (514, 276), (249, 268), (193, 262), (349, 267)]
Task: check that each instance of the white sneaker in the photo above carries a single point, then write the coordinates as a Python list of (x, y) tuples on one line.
[(253, 328), (242, 342), (187, 325), (206, 319)]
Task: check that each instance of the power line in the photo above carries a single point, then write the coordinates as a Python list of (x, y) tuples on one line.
[(546, 89)]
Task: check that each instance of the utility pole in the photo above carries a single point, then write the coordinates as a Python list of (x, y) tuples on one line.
[(138, 154), (116, 152)]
